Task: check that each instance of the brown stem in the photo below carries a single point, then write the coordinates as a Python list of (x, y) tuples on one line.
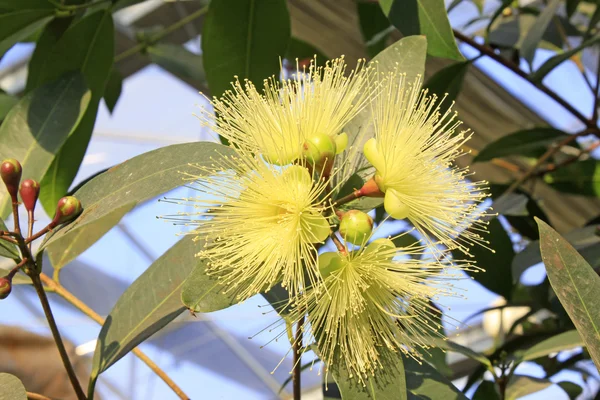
[(30, 222), (13, 271), (65, 294), (338, 243), (296, 372), (39, 288), (46, 229), (9, 239), (15, 209), (488, 51), (571, 160), (36, 396)]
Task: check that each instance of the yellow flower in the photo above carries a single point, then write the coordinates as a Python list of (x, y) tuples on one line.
[(413, 152), (280, 121), (260, 223), (371, 303)]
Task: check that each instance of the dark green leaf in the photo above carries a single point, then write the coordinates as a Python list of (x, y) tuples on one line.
[(424, 17), (11, 388), (279, 298), (87, 46), (585, 240), (406, 240), (497, 276), (180, 62), (301, 50), (486, 390), (424, 382), (35, 129), (149, 304), (112, 193), (521, 385), (563, 341), (572, 6), (535, 33), (19, 19), (448, 81), (553, 62), (243, 38), (465, 351), (582, 177), (572, 390), (7, 249), (530, 143), (576, 285), (6, 103), (374, 26), (113, 89)]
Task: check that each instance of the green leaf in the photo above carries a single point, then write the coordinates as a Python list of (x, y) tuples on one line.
[(497, 276), (465, 351), (556, 60), (530, 143), (424, 382), (428, 18), (278, 297), (448, 81), (521, 385), (35, 129), (113, 193), (582, 177), (584, 240), (576, 285), (243, 38), (6, 103), (12, 388), (19, 19), (406, 240), (571, 389), (180, 62), (301, 50), (563, 341), (113, 89), (535, 33), (374, 26), (7, 249), (87, 46), (202, 293), (486, 390), (148, 305)]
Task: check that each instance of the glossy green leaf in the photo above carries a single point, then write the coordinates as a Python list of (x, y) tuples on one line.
[(521, 385), (535, 33), (112, 194), (301, 50), (243, 38), (576, 285), (149, 304), (584, 240), (112, 92), (424, 382), (530, 143), (35, 129), (582, 177), (487, 390), (12, 388), (180, 62), (497, 276), (447, 82), (428, 18), (87, 46), (6, 103), (374, 26), (556, 60), (571, 389), (7, 249), (19, 19), (563, 341)]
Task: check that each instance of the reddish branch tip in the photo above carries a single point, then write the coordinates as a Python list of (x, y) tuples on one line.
[(5, 287), (30, 191), (67, 209), (11, 171)]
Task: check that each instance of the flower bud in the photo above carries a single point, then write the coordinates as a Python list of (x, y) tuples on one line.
[(67, 209), (341, 142), (319, 149), (382, 247), (394, 205), (329, 263), (356, 227), (30, 191), (5, 287), (11, 171)]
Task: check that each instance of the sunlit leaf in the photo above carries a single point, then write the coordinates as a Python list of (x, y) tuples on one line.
[(521, 385), (11, 388), (530, 143)]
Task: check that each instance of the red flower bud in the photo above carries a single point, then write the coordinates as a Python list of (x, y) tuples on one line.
[(30, 190), (5, 287), (11, 171), (67, 209)]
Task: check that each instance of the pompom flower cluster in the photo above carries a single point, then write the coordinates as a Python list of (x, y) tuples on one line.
[(266, 212)]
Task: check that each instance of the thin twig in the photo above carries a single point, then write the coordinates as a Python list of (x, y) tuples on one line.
[(488, 51), (81, 306), (596, 92), (15, 210), (46, 229), (297, 371), (571, 160), (30, 222), (37, 284), (338, 243)]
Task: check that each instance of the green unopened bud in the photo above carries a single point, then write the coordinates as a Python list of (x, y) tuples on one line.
[(394, 205), (382, 247), (30, 191), (11, 171), (356, 227), (329, 263), (341, 142), (5, 287), (319, 149), (372, 154), (67, 209)]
